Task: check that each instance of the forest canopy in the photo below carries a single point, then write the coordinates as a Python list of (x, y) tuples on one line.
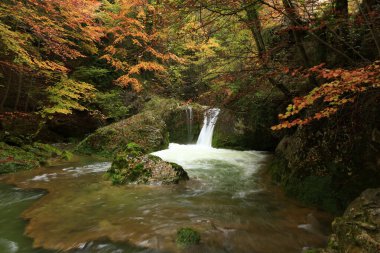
[(58, 56)]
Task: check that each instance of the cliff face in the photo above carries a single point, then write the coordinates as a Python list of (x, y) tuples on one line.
[(329, 163)]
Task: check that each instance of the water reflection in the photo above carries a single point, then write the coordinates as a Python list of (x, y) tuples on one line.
[(225, 200)]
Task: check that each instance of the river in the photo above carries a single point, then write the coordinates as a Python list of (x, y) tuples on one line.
[(228, 199)]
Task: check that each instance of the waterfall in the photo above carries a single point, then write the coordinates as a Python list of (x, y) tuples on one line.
[(189, 121), (205, 137)]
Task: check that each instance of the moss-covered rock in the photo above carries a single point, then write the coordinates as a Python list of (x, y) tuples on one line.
[(187, 237), (150, 129), (14, 158), (133, 166), (246, 123), (329, 163), (358, 230), (146, 129)]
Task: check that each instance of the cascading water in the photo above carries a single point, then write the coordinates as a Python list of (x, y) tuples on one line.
[(205, 137), (189, 121), (224, 201)]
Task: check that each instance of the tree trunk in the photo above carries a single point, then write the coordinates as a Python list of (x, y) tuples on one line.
[(18, 92), (27, 92), (254, 25), (281, 87), (368, 10), (341, 9), (369, 5), (295, 21), (6, 93)]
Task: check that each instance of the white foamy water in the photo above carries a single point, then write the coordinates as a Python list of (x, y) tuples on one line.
[(205, 137), (91, 168), (44, 177), (203, 157), (189, 123), (74, 171), (8, 246)]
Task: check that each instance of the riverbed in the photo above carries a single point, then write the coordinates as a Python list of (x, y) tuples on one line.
[(227, 200)]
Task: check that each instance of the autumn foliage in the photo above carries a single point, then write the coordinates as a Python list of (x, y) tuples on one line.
[(343, 86), (230, 48), (43, 40), (135, 43)]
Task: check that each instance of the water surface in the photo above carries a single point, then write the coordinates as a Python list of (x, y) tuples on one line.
[(225, 200)]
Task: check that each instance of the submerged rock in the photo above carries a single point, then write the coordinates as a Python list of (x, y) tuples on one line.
[(133, 166), (358, 230)]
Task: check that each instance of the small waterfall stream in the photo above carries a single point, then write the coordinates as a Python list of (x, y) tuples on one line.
[(189, 122), (205, 137)]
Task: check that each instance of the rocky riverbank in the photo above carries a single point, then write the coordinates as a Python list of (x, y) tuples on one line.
[(358, 230), (329, 163), (29, 156)]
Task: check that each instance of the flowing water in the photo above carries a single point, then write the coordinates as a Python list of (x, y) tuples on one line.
[(226, 200), (205, 137), (189, 123)]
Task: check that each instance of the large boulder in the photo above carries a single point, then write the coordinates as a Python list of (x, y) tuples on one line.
[(151, 129), (146, 129), (329, 163), (358, 230), (132, 166), (246, 123), (243, 131)]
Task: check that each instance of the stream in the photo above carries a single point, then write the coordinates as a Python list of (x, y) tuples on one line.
[(227, 199)]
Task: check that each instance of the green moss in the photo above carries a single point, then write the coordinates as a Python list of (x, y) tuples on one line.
[(133, 166), (137, 173), (133, 149), (139, 167), (181, 174), (14, 158), (120, 162), (312, 190), (251, 129), (116, 179), (48, 148), (15, 166), (326, 191), (278, 170), (222, 140), (103, 143), (124, 169), (187, 237), (67, 155), (154, 158), (312, 251)]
